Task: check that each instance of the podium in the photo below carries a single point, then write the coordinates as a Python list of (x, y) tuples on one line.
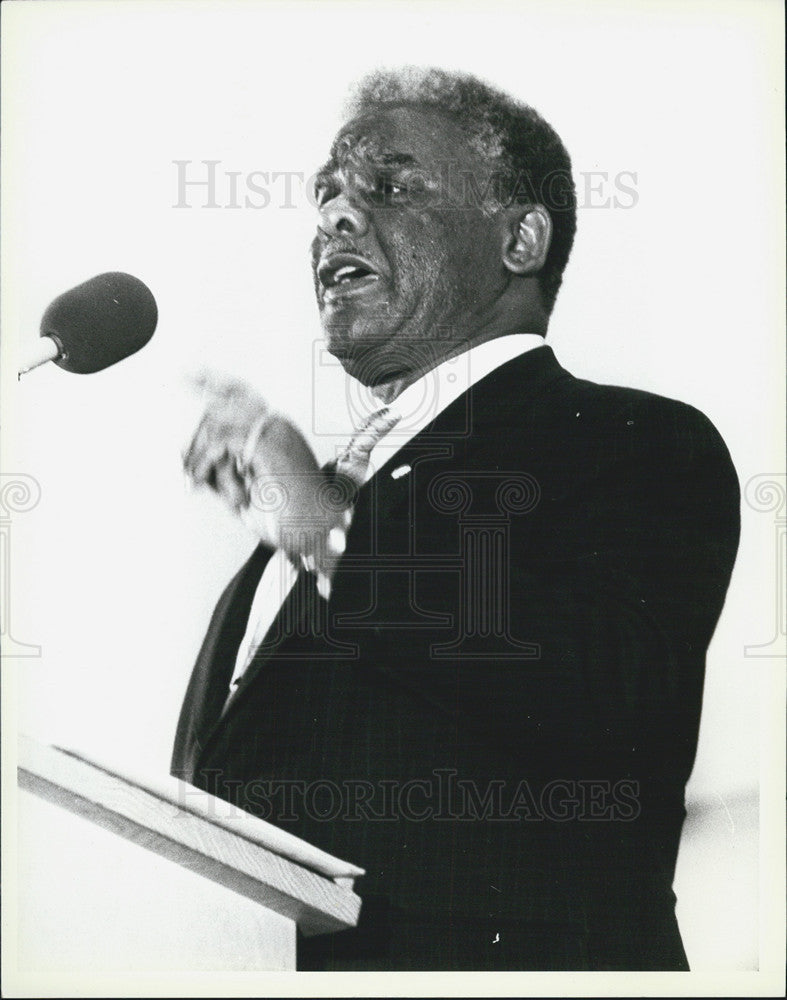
[(117, 874)]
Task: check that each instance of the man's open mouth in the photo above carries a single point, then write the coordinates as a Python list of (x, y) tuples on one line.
[(343, 274)]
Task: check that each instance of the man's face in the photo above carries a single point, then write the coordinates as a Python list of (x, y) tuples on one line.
[(405, 260)]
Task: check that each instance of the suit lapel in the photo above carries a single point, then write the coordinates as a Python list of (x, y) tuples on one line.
[(490, 401), (212, 672), (299, 631), (498, 398)]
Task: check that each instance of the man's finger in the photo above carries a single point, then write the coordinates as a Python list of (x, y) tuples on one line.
[(217, 472), (211, 381), (216, 431), (228, 484), (205, 464), (205, 433), (226, 388)]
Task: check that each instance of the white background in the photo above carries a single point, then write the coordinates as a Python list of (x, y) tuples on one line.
[(117, 568)]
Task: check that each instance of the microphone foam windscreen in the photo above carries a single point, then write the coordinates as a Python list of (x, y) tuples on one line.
[(101, 321)]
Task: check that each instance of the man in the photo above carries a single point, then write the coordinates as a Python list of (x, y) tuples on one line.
[(468, 657)]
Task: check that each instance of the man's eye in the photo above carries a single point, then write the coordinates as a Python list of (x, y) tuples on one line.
[(324, 193), (386, 188)]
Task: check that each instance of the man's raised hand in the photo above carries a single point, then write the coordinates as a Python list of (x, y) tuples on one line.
[(262, 467)]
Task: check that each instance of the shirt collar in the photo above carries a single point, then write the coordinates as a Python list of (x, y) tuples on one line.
[(427, 397)]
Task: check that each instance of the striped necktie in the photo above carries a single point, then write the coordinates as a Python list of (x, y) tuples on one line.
[(353, 463)]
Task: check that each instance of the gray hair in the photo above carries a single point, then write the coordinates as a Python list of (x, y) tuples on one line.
[(525, 150)]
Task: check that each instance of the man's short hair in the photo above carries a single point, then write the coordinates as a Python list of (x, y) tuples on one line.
[(528, 157)]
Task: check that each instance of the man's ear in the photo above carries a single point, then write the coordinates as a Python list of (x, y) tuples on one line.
[(527, 239)]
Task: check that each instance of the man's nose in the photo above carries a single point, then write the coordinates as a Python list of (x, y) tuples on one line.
[(343, 217)]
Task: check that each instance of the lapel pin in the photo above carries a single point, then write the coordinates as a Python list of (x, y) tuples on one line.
[(402, 470)]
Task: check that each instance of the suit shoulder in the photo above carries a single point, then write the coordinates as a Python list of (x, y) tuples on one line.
[(659, 419)]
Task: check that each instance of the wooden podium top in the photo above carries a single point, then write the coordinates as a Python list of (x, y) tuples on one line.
[(201, 833)]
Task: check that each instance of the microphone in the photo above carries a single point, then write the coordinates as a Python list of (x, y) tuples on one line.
[(96, 324)]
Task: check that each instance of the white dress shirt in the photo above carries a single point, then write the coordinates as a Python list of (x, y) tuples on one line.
[(417, 406)]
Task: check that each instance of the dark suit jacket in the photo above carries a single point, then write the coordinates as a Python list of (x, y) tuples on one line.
[(497, 712)]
